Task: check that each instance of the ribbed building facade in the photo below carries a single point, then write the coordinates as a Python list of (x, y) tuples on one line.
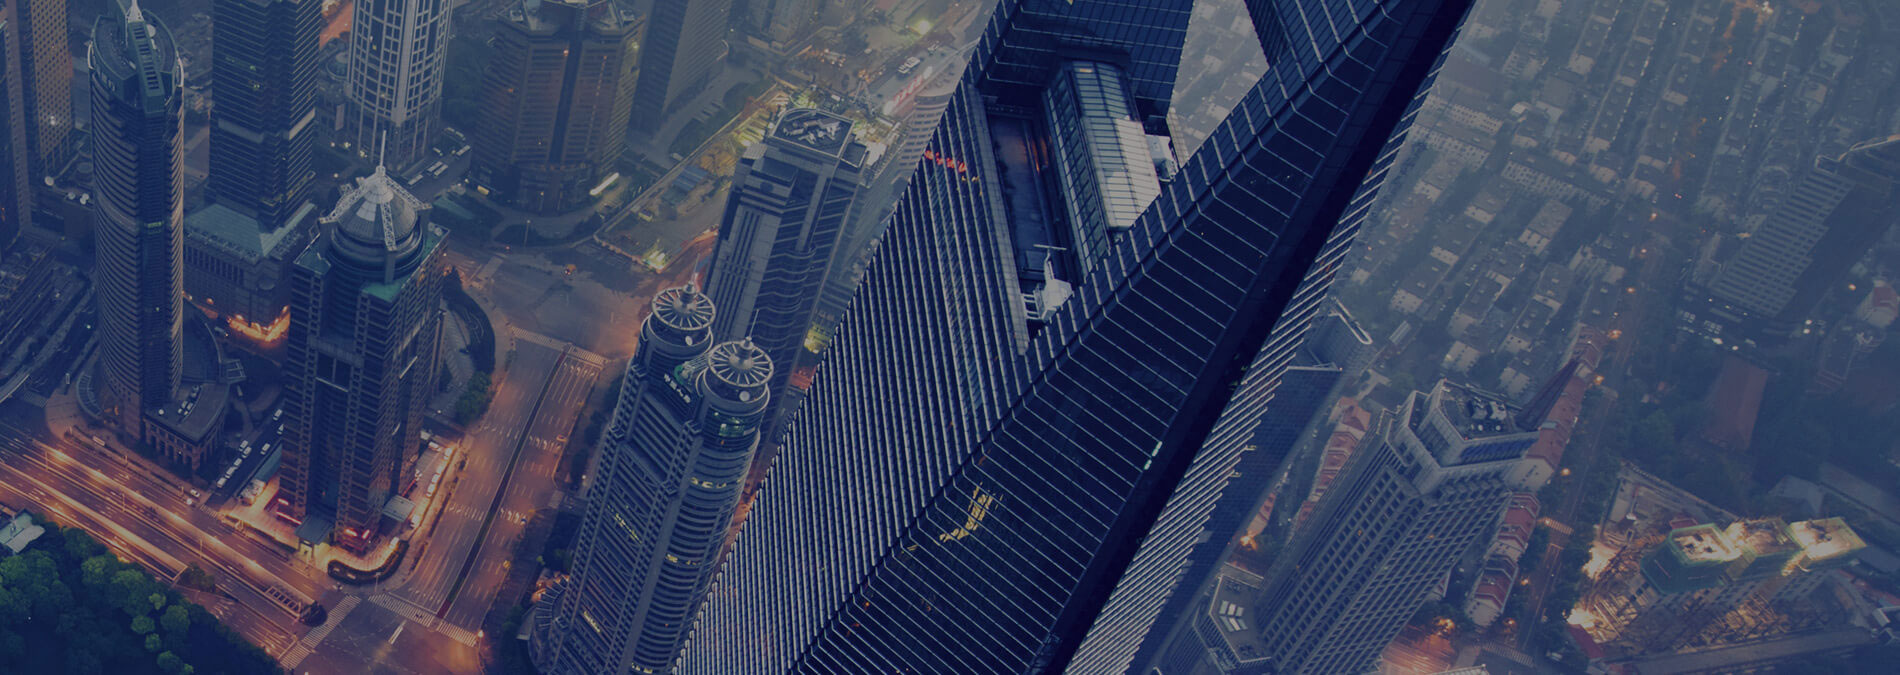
[(685, 43), (1391, 528), (361, 360), (555, 102), (792, 196), (263, 77), (138, 216), (673, 465), (1831, 217), (1003, 463), (394, 86)]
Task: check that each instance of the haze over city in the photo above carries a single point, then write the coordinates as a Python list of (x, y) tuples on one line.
[(1159, 337)]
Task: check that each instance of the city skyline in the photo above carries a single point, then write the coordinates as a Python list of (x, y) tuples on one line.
[(1160, 337)]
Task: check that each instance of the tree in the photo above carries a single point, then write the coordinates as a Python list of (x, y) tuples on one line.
[(170, 662), (196, 577), (143, 625), (175, 621), (153, 643)]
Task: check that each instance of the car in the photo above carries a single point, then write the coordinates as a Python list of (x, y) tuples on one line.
[(191, 501), (195, 493)]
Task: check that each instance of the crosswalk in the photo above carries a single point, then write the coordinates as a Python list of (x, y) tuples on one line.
[(308, 645)]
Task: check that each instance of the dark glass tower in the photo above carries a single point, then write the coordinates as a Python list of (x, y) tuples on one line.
[(1004, 463), (365, 329), (263, 75), (555, 102), (15, 156), (673, 464), (138, 217), (685, 41), (792, 195)]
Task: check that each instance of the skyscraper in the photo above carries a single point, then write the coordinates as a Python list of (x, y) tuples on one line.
[(1388, 531), (792, 196), (397, 51), (779, 21), (46, 81), (1003, 464), (672, 467), (685, 41), (1335, 349), (365, 329), (15, 157), (1830, 219), (555, 102), (138, 217), (263, 75)]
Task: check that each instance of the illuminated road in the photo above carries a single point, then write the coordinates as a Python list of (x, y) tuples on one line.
[(486, 451), (149, 524), (530, 487)]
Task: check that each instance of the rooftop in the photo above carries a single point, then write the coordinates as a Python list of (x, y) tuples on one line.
[(1702, 544), (814, 129), (1825, 539)]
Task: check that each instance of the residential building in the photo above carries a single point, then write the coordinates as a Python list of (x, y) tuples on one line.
[(1033, 453), (673, 464), (1829, 220), (361, 361), (394, 85), (555, 101), (779, 22), (138, 216), (792, 196), (684, 46)]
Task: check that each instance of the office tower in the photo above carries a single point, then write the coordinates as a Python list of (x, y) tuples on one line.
[(366, 323), (239, 247), (138, 217), (555, 101), (1386, 534), (263, 75), (792, 195), (995, 473), (397, 51), (1830, 219), (684, 44), (16, 165), (1335, 350), (780, 21), (673, 464), (46, 81)]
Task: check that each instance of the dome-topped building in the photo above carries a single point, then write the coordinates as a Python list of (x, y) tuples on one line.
[(377, 227), (361, 359)]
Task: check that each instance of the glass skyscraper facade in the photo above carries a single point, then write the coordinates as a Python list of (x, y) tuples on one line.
[(1000, 468)]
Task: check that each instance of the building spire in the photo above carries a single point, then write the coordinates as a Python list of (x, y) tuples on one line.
[(132, 13)]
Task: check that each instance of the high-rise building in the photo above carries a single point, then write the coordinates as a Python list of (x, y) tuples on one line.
[(263, 75), (1387, 532), (46, 81), (365, 330), (555, 102), (239, 247), (791, 197), (1833, 215), (16, 164), (684, 45), (1335, 349), (672, 467), (397, 55), (138, 216), (780, 21), (1002, 464)]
